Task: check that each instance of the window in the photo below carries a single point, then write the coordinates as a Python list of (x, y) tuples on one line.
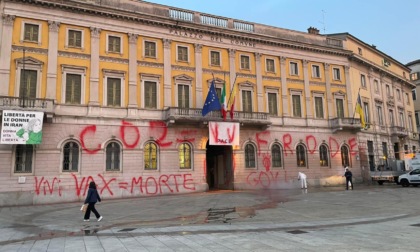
[(113, 90), (410, 122), (294, 70), (315, 71), (150, 156), (113, 156), (71, 154), (417, 119), (270, 67), (182, 53), (184, 151), (297, 111), (272, 103), (246, 101), (398, 94), (339, 103), (28, 83), (249, 156), (245, 62), (379, 112), (414, 76), (323, 155), (183, 96), (73, 88), (31, 32), (391, 117), (23, 158), (402, 119), (388, 90), (345, 157), (114, 44), (214, 58), (276, 156), (301, 155), (366, 112), (150, 95), (149, 49), (407, 98), (74, 38), (413, 94), (363, 80), (319, 107), (336, 74), (376, 86)]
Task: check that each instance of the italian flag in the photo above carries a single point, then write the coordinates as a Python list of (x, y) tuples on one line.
[(223, 101)]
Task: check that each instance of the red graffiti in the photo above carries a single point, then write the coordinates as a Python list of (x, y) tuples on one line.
[(261, 141), (267, 161), (90, 128), (106, 184), (136, 136), (160, 127), (332, 140), (287, 144), (79, 186), (171, 182), (263, 179), (47, 186), (311, 150), (215, 133), (352, 143), (187, 136)]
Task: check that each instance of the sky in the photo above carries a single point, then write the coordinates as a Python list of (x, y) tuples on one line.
[(393, 26)]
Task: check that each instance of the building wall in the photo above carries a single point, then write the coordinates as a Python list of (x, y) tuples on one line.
[(93, 125)]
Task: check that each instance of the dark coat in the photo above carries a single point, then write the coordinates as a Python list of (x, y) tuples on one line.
[(348, 174), (92, 196)]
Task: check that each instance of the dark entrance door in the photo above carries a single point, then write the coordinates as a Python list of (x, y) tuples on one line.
[(219, 167)]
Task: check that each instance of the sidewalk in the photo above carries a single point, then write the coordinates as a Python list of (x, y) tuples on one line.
[(370, 218)]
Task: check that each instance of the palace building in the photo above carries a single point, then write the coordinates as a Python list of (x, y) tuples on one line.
[(113, 92)]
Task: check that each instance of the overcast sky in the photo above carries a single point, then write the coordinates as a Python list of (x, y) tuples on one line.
[(392, 25)]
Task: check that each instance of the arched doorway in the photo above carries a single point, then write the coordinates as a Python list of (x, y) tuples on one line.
[(219, 167)]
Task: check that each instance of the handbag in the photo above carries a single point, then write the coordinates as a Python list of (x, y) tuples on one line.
[(84, 207)]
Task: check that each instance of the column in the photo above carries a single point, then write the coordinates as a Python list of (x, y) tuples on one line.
[(260, 97), (232, 67), (52, 60), (132, 70), (94, 67), (167, 73), (307, 90), (348, 90), (284, 86), (372, 90), (5, 53), (330, 98), (198, 76)]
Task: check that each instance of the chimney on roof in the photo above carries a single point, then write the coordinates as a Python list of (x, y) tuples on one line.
[(313, 30)]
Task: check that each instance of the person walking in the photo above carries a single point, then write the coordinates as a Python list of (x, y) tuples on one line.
[(349, 177), (302, 178), (91, 199)]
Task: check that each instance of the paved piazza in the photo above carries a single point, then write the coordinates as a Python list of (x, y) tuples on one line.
[(369, 218)]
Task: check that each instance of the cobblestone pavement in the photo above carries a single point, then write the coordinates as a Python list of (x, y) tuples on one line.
[(369, 218)]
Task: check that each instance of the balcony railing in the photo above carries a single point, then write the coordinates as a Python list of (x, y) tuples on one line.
[(185, 115), (398, 131), (32, 104), (345, 123)]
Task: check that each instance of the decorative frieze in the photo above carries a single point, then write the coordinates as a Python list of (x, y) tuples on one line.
[(149, 64), (271, 78), (317, 83), (295, 81), (74, 55), (113, 60), (183, 68), (338, 85), (29, 49), (246, 75), (211, 71)]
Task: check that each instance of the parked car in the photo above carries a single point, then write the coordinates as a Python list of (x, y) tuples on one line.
[(410, 178)]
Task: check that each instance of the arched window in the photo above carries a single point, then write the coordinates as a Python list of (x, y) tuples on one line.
[(323, 155), (150, 156), (184, 153), (301, 155), (276, 157), (249, 156), (71, 157), (113, 156), (23, 158), (345, 158)]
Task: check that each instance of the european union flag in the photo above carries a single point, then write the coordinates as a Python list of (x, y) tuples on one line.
[(212, 101)]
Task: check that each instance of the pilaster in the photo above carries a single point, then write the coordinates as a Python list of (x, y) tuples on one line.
[(167, 99), (307, 90), (52, 60), (284, 86), (132, 70), (348, 90), (260, 98), (199, 76), (94, 67), (6, 52), (329, 91)]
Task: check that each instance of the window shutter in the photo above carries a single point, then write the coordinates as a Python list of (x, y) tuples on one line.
[(73, 88)]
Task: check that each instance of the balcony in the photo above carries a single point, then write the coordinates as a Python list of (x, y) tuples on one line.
[(175, 115), (346, 123), (27, 104), (398, 131)]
